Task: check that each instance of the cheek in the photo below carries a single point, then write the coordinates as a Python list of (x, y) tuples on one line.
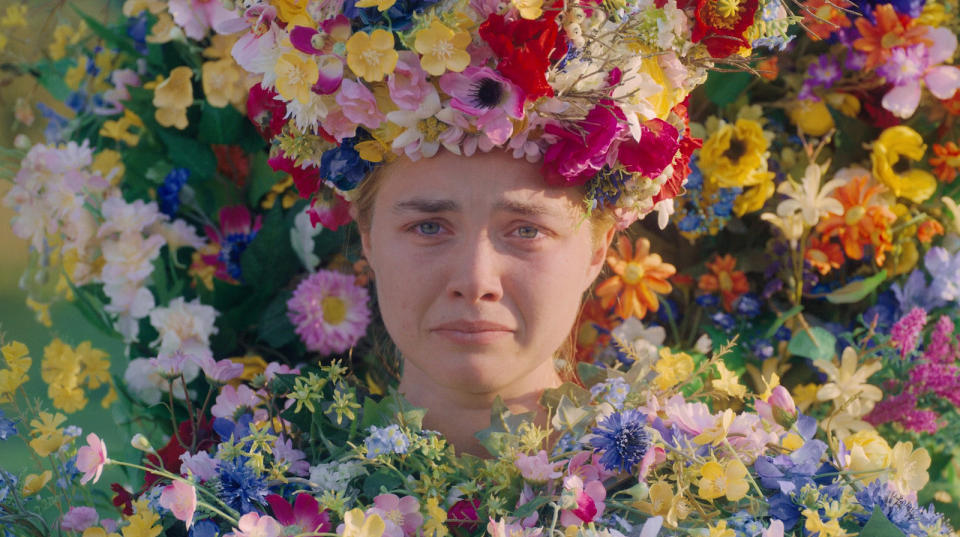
[(549, 295)]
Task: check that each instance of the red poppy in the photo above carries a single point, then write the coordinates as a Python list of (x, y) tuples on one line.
[(721, 25), (525, 48)]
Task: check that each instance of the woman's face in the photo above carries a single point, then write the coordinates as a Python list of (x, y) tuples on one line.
[(480, 267)]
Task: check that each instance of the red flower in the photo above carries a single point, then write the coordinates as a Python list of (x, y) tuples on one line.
[(305, 513), (307, 179), (681, 165), (578, 154), (463, 514), (721, 25), (233, 163), (526, 48), (329, 210), (123, 500), (265, 112), (653, 152)]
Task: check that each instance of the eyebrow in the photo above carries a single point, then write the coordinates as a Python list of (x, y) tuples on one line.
[(433, 206)]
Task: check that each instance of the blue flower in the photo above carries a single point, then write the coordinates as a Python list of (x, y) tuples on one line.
[(724, 321), (622, 438), (228, 429), (789, 473), (383, 440), (613, 390), (343, 166), (137, 30), (168, 194), (783, 334), (231, 248), (916, 293), (398, 17), (8, 427), (7, 481), (708, 301), (748, 305), (241, 486), (55, 123), (204, 528), (690, 222), (762, 348), (910, 518)]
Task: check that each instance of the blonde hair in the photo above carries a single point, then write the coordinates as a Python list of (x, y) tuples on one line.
[(601, 221)]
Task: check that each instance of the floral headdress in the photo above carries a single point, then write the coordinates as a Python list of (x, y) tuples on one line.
[(595, 91)]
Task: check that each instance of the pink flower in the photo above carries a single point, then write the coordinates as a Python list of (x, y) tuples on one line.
[(255, 49), (775, 530), (234, 400), (408, 83), (942, 348), (329, 210), (220, 371), (401, 515), (908, 66), (479, 91), (196, 17), (578, 154), (359, 105), (305, 513), (906, 331), (285, 453), (91, 459), (254, 525), (653, 152), (181, 499), (500, 528), (200, 465), (586, 501), (463, 514), (586, 465), (329, 311), (537, 468), (338, 124), (79, 518)]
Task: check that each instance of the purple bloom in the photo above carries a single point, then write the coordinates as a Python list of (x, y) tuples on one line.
[(79, 518), (904, 514), (284, 452), (789, 473), (942, 347), (329, 311), (906, 65), (623, 439), (945, 270), (906, 332), (915, 293), (824, 73)]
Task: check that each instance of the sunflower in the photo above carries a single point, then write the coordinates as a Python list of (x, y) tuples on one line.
[(639, 275)]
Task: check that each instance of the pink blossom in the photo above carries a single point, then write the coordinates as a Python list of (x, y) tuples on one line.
[(329, 311), (408, 83), (586, 465), (906, 332), (691, 418), (500, 528), (200, 465), (942, 348), (330, 211), (908, 66), (91, 459), (220, 371), (79, 518), (401, 515), (284, 452), (181, 499), (587, 501), (234, 399), (775, 530), (579, 153), (305, 513), (254, 50), (463, 514), (359, 105), (196, 17), (253, 524), (338, 124), (653, 152), (537, 468), (273, 369)]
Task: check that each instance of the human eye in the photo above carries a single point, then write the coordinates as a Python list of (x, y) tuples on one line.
[(527, 232), (427, 228)]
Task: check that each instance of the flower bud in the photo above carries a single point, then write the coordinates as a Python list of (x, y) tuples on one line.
[(784, 409), (140, 442)]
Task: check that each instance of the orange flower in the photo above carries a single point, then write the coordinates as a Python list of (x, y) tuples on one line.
[(639, 276), (947, 161), (928, 229), (878, 40), (731, 283), (822, 19), (824, 255), (593, 330), (864, 221)]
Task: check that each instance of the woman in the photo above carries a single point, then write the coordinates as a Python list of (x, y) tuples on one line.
[(480, 270)]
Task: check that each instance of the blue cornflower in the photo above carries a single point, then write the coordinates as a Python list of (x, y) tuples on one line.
[(690, 223), (707, 301), (383, 440), (231, 247), (8, 427), (76, 101), (762, 348), (613, 390), (398, 17), (137, 30), (204, 528), (343, 166), (241, 486), (168, 194), (622, 438), (695, 179), (748, 305), (783, 334), (724, 321), (911, 519)]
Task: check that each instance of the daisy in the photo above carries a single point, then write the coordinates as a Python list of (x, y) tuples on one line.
[(329, 311)]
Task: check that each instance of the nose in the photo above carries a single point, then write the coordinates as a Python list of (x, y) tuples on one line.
[(475, 270)]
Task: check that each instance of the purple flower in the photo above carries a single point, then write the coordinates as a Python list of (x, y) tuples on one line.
[(284, 452), (329, 311), (906, 332), (916, 294), (79, 518), (945, 270), (824, 73), (942, 348), (623, 440), (579, 153)]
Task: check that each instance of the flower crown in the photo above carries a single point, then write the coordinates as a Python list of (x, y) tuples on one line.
[(595, 91)]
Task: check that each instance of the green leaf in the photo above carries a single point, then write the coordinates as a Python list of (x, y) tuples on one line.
[(820, 347), (269, 262), (219, 125), (113, 38), (782, 318), (724, 88), (382, 480), (91, 307), (262, 178), (275, 328), (850, 138), (880, 526), (51, 78), (187, 153), (528, 508), (856, 291)]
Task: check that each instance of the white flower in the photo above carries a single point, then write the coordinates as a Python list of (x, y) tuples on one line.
[(126, 218), (129, 257), (142, 380), (184, 326), (413, 141), (334, 476), (301, 238), (645, 341), (179, 234), (808, 198), (791, 226), (308, 115)]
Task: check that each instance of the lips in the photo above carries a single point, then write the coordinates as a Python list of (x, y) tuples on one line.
[(473, 326), (472, 332)]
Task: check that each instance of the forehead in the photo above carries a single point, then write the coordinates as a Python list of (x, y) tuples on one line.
[(496, 180)]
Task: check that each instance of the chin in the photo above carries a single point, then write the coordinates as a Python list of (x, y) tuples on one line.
[(474, 371)]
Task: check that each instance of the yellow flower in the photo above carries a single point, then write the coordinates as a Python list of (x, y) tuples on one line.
[(172, 97), (356, 524), (120, 129), (717, 480), (34, 482), (721, 530), (811, 117), (435, 525), (143, 523), (869, 454), (716, 433), (672, 368), (296, 74), (15, 16), (67, 395), (382, 5), (735, 155), (293, 12), (729, 382), (98, 532), (75, 74), (371, 56), (61, 38), (48, 436), (753, 198), (442, 49), (847, 104), (529, 9), (110, 164), (909, 468), (3, 42), (848, 384), (164, 30), (894, 144), (223, 82), (132, 8), (41, 311), (816, 525), (15, 354), (94, 365), (666, 503), (805, 395)]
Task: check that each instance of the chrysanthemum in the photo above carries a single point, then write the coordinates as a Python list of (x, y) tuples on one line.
[(865, 219), (329, 311), (623, 440), (639, 275)]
